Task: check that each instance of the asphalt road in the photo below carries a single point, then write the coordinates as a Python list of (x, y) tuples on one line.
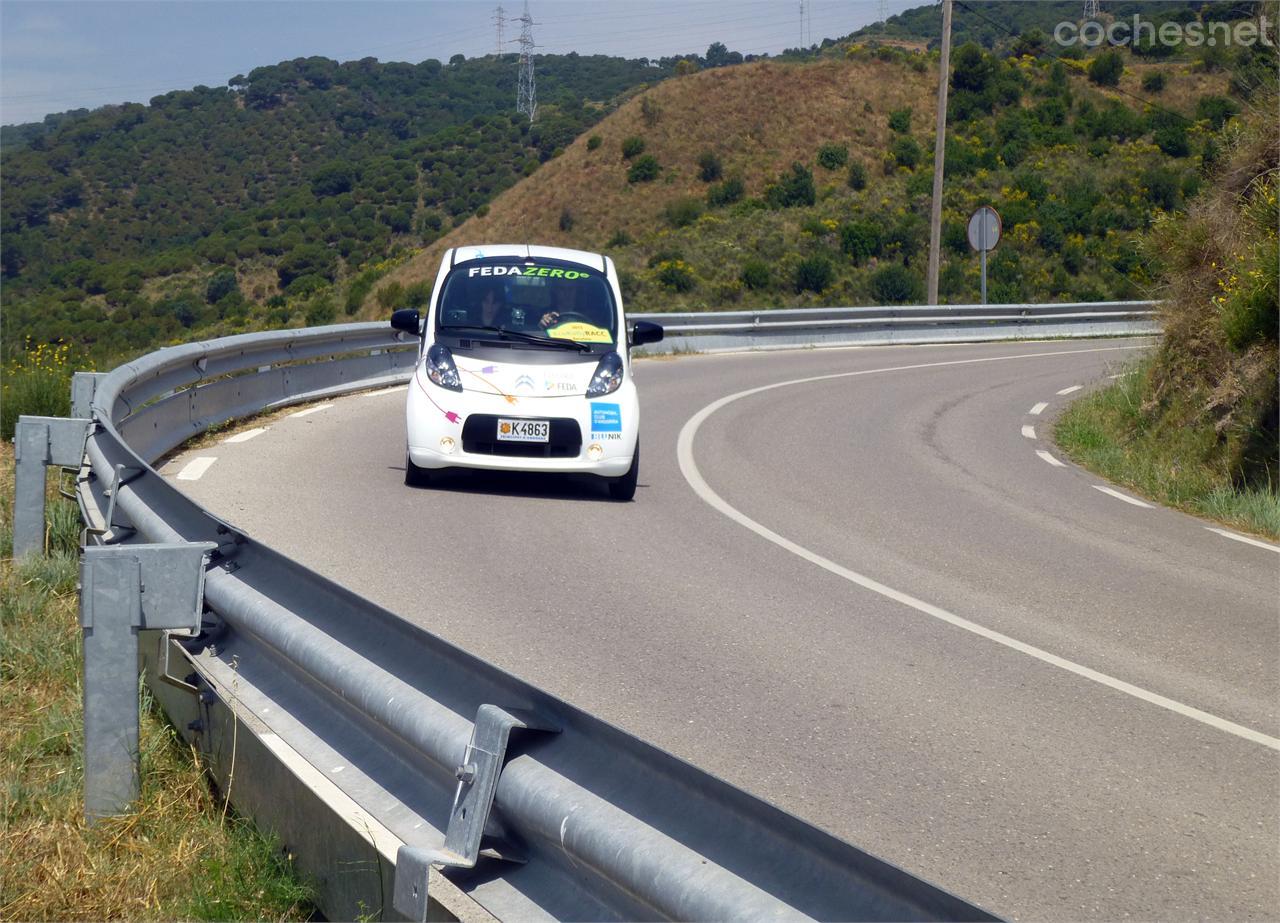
[(865, 598)]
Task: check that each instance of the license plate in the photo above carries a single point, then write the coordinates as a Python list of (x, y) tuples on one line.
[(524, 430)]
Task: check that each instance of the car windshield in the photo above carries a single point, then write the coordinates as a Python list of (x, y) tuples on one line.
[(561, 303)]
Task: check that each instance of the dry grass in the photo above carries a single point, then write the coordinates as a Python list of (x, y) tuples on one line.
[(1183, 89), (178, 855), (757, 117)]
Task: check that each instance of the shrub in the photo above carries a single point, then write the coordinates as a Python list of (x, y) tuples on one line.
[(676, 275), (896, 284), (669, 255), (857, 175), (417, 295), (1154, 82), (620, 238), (1216, 110), (833, 156), (861, 240), (644, 169), (813, 274), (650, 110), (709, 167), (1106, 69), (906, 152), (566, 219), (38, 383), (726, 193), (755, 274), (792, 189), (900, 120), (683, 212), (632, 147), (221, 284), (390, 296), (321, 311), (594, 142)]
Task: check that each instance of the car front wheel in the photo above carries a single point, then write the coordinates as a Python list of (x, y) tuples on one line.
[(624, 488), (413, 475)]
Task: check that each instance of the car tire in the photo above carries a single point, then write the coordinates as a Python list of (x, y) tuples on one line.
[(624, 488), (413, 475)]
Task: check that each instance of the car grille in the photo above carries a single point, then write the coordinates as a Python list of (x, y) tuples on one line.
[(480, 437)]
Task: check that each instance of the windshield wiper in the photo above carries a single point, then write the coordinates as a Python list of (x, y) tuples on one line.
[(504, 333)]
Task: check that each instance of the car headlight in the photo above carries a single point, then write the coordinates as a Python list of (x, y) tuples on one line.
[(607, 377), (440, 368)]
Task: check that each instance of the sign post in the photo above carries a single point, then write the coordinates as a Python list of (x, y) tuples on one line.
[(984, 233)]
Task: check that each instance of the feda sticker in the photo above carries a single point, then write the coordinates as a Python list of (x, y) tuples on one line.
[(546, 272), (606, 418), (580, 332)]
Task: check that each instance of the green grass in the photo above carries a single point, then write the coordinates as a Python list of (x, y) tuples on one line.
[(1111, 433), (179, 854)]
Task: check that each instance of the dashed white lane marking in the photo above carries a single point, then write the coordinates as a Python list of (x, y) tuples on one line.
[(1050, 459), (316, 409), (196, 468), (1038, 409), (1029, 431), (689, 468), (246, 435), (1119, 496), (1070, 390), (394, 390), (1244, 538)]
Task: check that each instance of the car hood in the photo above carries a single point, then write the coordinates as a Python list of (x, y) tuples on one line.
[(525, 380)]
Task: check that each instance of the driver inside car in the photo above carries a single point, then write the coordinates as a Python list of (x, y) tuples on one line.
[(568, 306)]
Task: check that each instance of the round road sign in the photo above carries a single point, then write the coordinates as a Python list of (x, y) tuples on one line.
[(985, 229)]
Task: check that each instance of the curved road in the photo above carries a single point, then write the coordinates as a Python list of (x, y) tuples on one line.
[(860, 584)]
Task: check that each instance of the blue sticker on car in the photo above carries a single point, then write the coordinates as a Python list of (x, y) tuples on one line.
[(606, 418)]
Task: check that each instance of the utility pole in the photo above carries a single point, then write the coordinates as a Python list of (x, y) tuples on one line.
[(939, 151), (526, 91), (500, 20)]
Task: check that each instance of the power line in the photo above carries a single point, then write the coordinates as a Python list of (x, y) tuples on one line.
[(526, 90), (500, 19)]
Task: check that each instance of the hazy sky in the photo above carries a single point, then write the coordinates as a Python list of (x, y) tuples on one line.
[(67, 54)]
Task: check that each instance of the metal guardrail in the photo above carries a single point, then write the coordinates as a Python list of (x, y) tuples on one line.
[(376, 750), (381, 753), (879, 326)]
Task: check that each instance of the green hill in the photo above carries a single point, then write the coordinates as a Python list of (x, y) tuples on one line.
[(136, 224), (798, 184)]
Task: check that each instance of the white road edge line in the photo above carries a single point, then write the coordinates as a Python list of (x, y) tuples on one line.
[(1125, 497), (1050, 459), (689, 468), (1029, 431), (316, 409), (1244, 538), (246, 435), (1070, 390), (1038, 409), (392, 390), (196, 468)]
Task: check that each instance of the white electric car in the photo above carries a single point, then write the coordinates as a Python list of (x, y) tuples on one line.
[(524, 364)]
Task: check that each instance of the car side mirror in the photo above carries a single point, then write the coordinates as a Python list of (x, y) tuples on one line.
[(645, 332), (408, 320)]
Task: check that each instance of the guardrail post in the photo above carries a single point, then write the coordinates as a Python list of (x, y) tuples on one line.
[(123, 590), (83, 387), (39, 442)]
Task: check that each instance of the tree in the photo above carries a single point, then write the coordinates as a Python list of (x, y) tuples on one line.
[(793, 188), (1106, 69)]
